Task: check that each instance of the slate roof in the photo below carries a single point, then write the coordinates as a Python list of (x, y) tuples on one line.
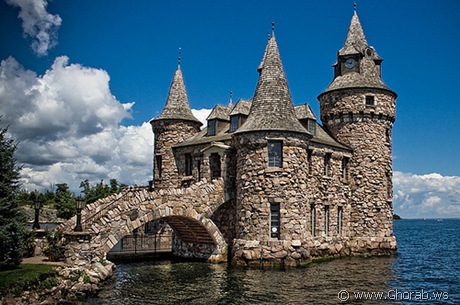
[(220, 112), (177, 106), (304, 112), (272, 107), (369, 69), (242, 107)]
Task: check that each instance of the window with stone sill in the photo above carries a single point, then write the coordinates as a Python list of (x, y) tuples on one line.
[(275, 220), (275, 153), (309, 160), (326, 219), (327, 164), (345, 168), (339, 220), (159, 165), (370, 100), (313, 219), (212, 127), (188, 164)]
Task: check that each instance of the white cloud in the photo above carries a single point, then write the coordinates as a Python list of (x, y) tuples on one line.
[(429, 195), (38, 24), (67, 123), (201, 115)]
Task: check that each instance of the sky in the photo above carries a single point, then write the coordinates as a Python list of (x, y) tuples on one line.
[(80, 80)]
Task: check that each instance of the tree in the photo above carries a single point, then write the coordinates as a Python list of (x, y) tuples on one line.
[(65, 201), (11, 217), (100, 190)]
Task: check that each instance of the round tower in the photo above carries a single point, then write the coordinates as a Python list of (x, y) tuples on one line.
[(175, 124), (271, 149), (359, 110)]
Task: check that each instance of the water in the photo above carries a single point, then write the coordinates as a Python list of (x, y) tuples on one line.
[(426, 270)]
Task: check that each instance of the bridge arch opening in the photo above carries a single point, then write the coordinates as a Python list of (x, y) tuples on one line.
[(180, 236)]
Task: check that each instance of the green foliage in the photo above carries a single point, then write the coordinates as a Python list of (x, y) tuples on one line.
[(55, 248), (24, 277), (65, 202), (100, 190), (28, 244), (11, 217)]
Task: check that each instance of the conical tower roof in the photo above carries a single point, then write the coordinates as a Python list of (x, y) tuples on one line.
[(177, 106), (368, 74), (356, 42), (272, 107)]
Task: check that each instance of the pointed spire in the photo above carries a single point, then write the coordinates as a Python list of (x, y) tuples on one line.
[(272, 107), (177, 106), (368, 74), (230, 101), (355, 42)]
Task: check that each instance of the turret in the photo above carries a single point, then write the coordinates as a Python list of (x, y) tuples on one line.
[(358, 109), (271, 149), (175, 124)]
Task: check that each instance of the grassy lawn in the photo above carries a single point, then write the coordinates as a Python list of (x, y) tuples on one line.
[(26, 276)]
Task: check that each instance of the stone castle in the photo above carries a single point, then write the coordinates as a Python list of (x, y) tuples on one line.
[(294, 189)]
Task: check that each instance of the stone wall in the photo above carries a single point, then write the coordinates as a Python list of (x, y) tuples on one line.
[(108, 220), (367, 129), (259, 185), (167, 134)]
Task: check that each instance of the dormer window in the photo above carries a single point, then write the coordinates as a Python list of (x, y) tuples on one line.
[(212, 127), (234, 123), (370, 101), (311, 126)]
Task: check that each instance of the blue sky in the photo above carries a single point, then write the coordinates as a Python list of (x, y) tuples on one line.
[(122, 54)]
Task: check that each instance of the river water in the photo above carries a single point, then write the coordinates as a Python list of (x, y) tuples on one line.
[(426, 270)]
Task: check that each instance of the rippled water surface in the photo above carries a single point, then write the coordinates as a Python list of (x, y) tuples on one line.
[(426, 270)]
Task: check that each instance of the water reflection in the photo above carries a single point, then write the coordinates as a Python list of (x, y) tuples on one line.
[(199, 283)]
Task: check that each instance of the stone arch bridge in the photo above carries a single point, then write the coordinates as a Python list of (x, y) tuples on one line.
[(188, 211)]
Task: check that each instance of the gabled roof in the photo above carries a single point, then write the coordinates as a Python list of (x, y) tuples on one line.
[(242, 107), (304, 112), (272, 107), (177, 106), (219, 112)]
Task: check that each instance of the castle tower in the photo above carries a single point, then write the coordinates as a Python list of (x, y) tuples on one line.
[(271, 148), (359, 110), (175, 124)]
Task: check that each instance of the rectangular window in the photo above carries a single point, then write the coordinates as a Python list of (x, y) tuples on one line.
[(275, 153), (344, 167), (215, 165), (311, 126), (327, 164), (234, 122), (313, 220), (339, 220), (159, 164), (275, 220), (188, 164), (198, 168), (309, 160), (212, 127), (370, 100), (326, 219)]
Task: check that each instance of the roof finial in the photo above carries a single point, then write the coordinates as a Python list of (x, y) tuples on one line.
[(231, 94), (354, 6), (273, 27), (178, 57)]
